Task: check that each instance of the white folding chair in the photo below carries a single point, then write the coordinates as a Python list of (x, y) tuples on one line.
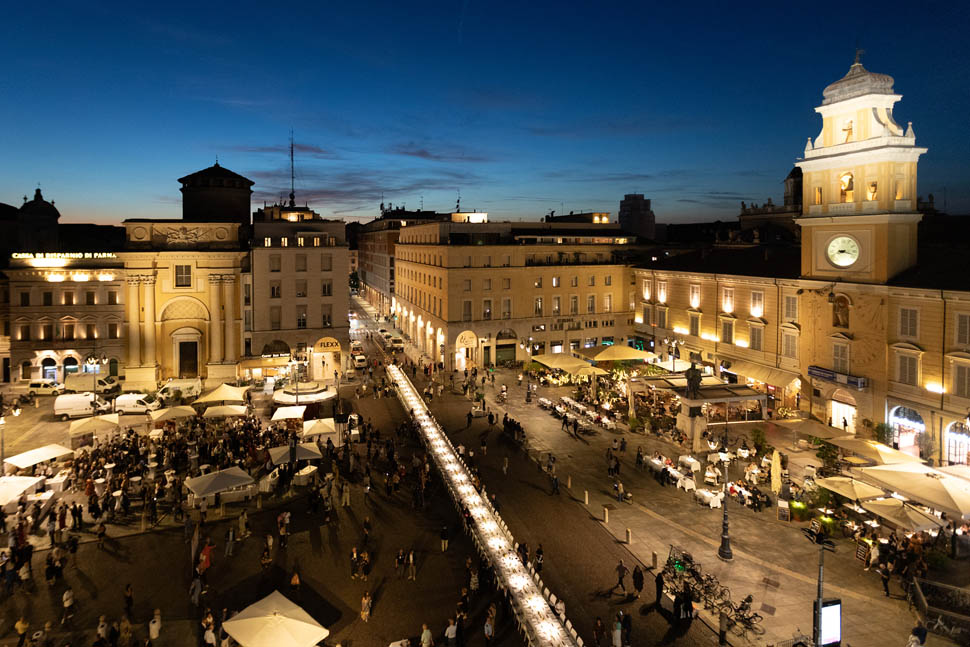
[(552, 599), (579, 641), (545, 592)]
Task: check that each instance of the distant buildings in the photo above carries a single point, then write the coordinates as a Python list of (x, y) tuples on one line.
[(637, 217)]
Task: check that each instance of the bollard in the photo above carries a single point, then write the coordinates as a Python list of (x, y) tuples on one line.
[(606, 514), (569, 482), (654, 560), (586, 497), (629, 536), (722, 629)]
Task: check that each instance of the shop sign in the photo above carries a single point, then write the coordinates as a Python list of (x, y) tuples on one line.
[(326, 345), (855, 381), (467, 339)]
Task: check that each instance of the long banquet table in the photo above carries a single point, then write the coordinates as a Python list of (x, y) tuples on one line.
[(542, 626)]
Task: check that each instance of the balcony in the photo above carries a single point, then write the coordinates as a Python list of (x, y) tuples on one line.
[(903, 205), (843, 208)]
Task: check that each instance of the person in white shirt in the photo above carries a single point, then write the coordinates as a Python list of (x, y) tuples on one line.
[(154, 626)]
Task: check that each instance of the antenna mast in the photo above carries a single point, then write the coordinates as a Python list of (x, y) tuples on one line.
[(292, 173)]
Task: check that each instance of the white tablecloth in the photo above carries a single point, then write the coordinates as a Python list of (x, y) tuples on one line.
[(692, 463), (305, 476)]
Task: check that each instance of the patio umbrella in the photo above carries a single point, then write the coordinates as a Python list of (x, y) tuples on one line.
[(850, 488), (924, 484), (173, 413), (275, 621), (289, 413), (812, 428), (224, 393), (218, 481), (225, 411), (320, 427), (882, 454), (776, 472), (304, 452), (903, 516), (592, 372), (107, 422), (561, 361), (615, 353)]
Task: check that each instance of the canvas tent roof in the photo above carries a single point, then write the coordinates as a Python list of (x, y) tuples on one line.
[(39, 455), (220, 481)]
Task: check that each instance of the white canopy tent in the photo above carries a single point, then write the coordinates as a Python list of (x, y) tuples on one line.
[(224, 393), (289, 413), (220, 481), (812, 428), (882, 454), (304, 452), (39, 455), (902, 515), (225, 411), (173, 413), (322, 429), (95, 424), (924, 484), (274, 621), (12, 487)]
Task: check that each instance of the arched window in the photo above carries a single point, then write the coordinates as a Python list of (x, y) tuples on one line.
[(113, 367), (70, 366), (25, 371), (957, 444), (48, 368), (846, 187)]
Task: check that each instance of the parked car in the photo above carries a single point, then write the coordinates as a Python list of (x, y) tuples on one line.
[(136, 403), (356, 346), (44, 387), (78, 405)]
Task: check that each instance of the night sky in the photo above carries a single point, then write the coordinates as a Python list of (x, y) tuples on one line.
[(524, 107)]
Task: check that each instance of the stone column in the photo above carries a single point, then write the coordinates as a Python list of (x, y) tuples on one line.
[(150, 357), (134, 323), (215, 319), (229, 281)]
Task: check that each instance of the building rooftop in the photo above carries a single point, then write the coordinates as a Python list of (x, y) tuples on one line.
[(215, 172), (770, 261), (857, 82)]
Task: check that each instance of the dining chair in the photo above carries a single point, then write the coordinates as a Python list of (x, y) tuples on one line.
[(552, 599)]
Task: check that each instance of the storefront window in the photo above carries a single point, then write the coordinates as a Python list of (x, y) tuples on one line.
[(957, 444), (906, 424)]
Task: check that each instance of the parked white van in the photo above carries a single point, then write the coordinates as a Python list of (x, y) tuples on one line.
[(360, 361), (84, 382), (397, 344), (190, 388), (136, 403), (78, 405), (44, 387)]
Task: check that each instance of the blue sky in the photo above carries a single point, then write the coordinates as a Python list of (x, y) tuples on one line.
[(523, 107)]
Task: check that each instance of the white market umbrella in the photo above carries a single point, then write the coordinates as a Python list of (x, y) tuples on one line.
[(304, 452), (39, 455), (320, 427), (615, 353), (173, 413), (289, 413), (562, 361), (274, 621), (850, 488), (107, 422), (882, 454), (775, 472), (903, 516), (812, 428), (220, 481), (924, 484), (224, 393), (225, 411)]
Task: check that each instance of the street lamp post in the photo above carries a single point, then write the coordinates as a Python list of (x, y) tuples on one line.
[(724, 550), (95, 361), (823, 544), (671, 345)]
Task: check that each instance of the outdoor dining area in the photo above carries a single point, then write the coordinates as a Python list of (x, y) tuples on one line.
[(533, 605)]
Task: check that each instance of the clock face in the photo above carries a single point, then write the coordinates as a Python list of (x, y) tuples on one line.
[(843, 251)]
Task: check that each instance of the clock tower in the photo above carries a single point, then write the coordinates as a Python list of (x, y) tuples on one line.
[(859, 213)]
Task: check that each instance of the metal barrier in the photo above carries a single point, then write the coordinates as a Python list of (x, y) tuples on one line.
[(944, 608)]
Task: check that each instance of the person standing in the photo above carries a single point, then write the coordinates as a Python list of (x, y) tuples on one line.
[(555, 484), (599, 632), (451, 634), (68, 601), (21, 627), (659, 582), (444, 538), (427, 640), (505, 465), (412, 567), (618, 630), (638, 580), (539, 556), (399, 562), (365, 606), (129, 601), (626, 624), (489, 631)]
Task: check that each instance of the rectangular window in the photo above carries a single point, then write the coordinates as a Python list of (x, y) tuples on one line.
[(963, 329), (555, 281), (25, 333), (840, 358), (183, 276), (68, 298), (90, 298), (506, 284), (607, 303), (591, 303), (301, 288), (757, 303), (90, 331), (300, 241), (275, 264), (756, 337), (316, 241), (67, 331), (487, 284), (326, 315), (908, 322), (326, 288), (574, 305), (247, 294), (727, 300), (574, 282), (114, 331), (301, 315), (662, 291), (112, 298), (695, 325), (284, 241), (908, 370), (961, 380), (645, 289), (646, 315), (791, 308), (48, 298), (488, 261), (591, 280), (267, 242), (694, 295), (24, 299), (247, 320), (556, 306), (466, 310), (537, 283), (275, 291), (301, 262), (608, 279), (326, 262), (467, 285), (727, 331), (818, 195), (487, 309), (47, 331), (506, 308), (538, 307)]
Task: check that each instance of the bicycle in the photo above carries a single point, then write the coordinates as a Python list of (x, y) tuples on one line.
[(741, 619), (940, 627)]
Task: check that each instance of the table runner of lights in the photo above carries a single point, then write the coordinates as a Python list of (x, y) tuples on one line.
[(532, 609)]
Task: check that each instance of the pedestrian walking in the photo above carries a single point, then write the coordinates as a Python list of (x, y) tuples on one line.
[(399, 562), (621, 571), (451, 634), (230, 540), (21, 627), (489, 631), (67, 599), (129, 600), (884, 575), (555, 484), (444, 538), (659, 582), (365, 606), (427, 640), (505, 465)]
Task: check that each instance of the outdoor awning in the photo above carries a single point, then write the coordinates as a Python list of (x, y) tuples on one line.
[(960, 471), (11, 487), (289, 413), (850, 488), (218, 481), (173, 413), (776, 377), (320, 427), (39, 455), (924, 484), (812, 428), (95, 424), (882, 454), (304, 452), (224, 393), (225, 411), (275, 621), (265, 362), (902, 515)]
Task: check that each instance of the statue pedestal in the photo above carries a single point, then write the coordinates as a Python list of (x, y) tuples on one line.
[(140, 379), (694, 427), (217, 374)]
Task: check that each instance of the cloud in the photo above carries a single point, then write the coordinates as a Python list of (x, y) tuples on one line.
[(576, 175), (308, 150), (441, 153), (617, 127)]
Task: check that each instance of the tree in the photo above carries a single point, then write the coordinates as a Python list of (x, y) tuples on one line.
[(883, 433)]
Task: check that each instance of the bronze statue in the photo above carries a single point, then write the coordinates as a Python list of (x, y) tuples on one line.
[(693, 376)]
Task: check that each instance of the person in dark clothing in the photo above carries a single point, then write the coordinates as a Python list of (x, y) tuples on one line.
[(884, 576), (626, 624), (638, 580), (659, 582)]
